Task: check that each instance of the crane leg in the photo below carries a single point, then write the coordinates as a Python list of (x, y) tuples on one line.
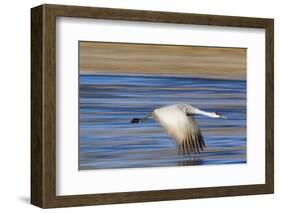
[(138, 120)]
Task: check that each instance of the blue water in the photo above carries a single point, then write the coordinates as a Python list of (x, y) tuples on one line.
[(109, 102)]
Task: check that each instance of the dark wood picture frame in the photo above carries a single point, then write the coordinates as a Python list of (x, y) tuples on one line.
[(43, 105)]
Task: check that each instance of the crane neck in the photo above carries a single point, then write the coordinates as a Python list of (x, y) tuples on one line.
[(208, 114)]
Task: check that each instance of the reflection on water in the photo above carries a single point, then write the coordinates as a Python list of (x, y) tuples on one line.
[(109, 102)]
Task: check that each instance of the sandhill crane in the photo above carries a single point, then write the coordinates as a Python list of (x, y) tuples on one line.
[(178, 121)]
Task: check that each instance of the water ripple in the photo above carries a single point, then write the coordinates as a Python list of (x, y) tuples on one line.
[(108, 102)]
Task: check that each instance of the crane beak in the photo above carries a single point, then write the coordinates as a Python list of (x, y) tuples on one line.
[(220, 115)]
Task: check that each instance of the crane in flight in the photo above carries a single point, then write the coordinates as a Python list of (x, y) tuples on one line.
[(179, 122)]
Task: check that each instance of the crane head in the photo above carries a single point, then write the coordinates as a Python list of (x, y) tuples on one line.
[(219, 115)]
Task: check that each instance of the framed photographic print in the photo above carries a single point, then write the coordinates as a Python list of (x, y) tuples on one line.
[(137, 106)]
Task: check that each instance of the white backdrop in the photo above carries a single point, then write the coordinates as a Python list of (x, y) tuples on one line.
[(15, 105)]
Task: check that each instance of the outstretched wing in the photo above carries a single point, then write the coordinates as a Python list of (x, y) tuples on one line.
[(193, 140), (181, 127)]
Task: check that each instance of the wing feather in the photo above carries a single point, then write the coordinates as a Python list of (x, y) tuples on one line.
[(181, 127)]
